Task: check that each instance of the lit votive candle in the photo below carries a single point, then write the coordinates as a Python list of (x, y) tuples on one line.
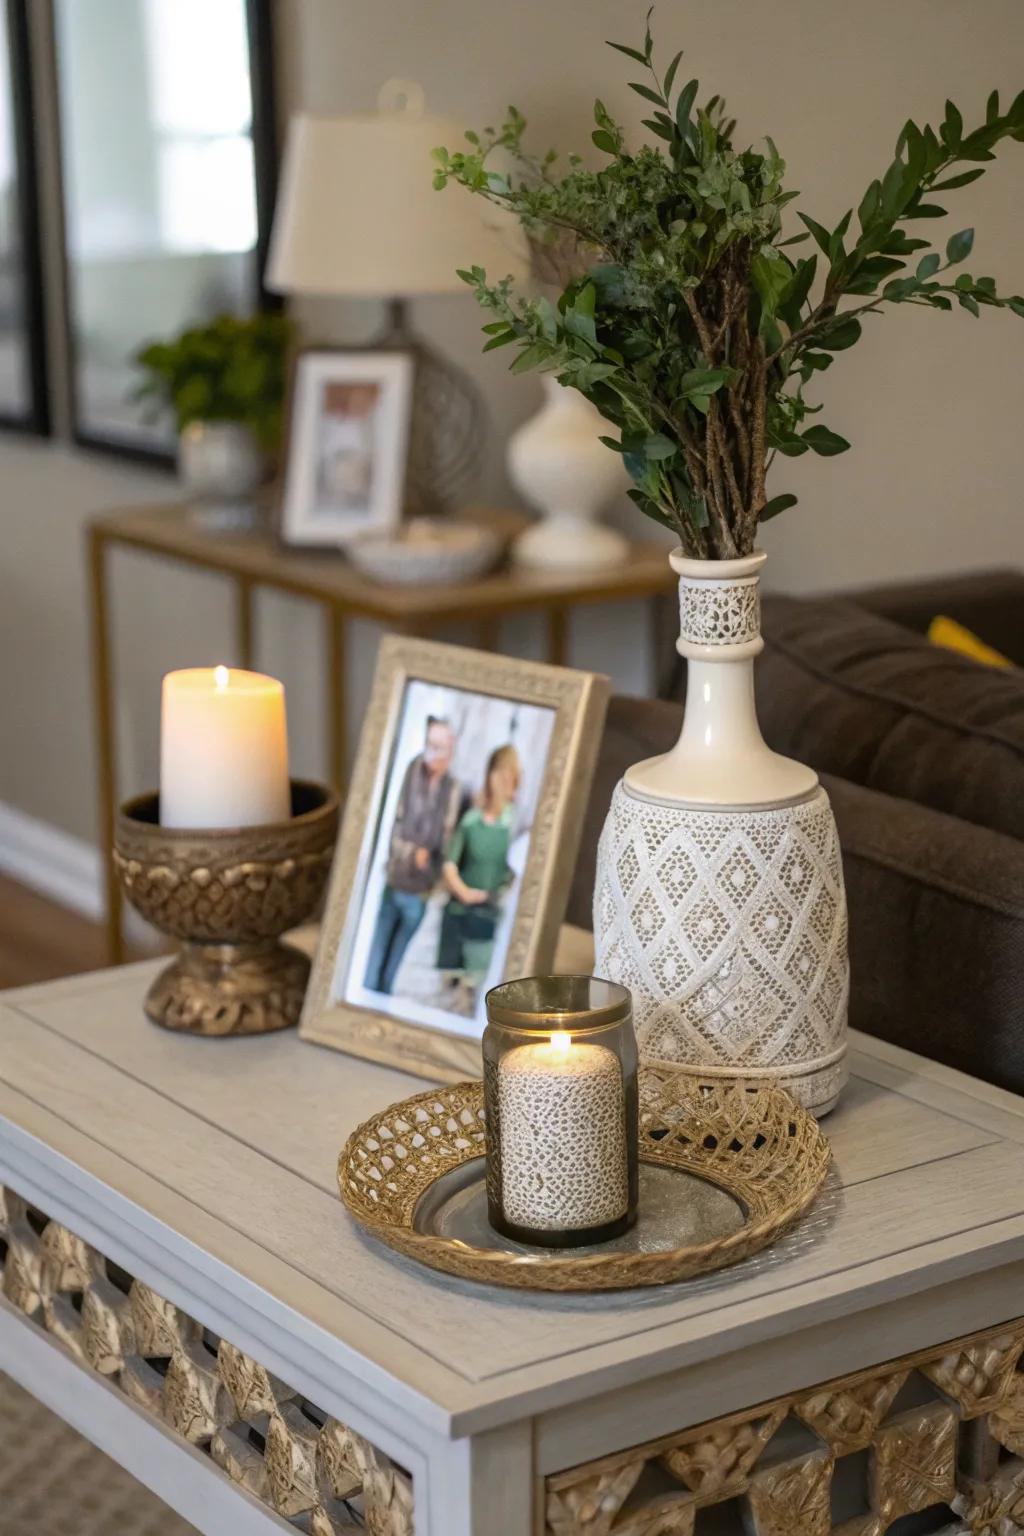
[(563, 1135), (561, 1115), (223, 749)]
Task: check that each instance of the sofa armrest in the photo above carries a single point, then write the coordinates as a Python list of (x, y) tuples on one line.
[(936, 932)]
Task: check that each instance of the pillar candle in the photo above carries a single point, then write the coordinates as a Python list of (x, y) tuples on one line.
[(563, 1135), (223, 749)]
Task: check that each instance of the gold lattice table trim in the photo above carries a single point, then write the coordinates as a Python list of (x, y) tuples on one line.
[(305, 1466), (956, 1452)]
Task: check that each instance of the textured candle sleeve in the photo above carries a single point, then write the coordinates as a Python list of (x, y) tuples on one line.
[(563, 1137)]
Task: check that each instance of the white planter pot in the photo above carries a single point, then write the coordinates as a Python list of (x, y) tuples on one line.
[(719, 898), (558, 463), (221, 467)]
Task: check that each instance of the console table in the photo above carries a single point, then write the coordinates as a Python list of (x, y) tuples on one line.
[(182, 1284), (257, 558)]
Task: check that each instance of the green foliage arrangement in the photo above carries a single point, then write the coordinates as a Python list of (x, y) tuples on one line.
[(684, 318), (229, 370)]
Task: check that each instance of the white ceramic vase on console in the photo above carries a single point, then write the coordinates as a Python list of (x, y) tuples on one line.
[(719, 898), (558, 462)]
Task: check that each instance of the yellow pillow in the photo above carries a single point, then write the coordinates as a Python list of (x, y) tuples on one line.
[(948, 633)]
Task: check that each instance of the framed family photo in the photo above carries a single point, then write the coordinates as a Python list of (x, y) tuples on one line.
[(347, 445), (456, 850)]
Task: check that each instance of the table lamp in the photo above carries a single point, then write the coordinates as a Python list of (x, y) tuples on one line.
[(357, 216)]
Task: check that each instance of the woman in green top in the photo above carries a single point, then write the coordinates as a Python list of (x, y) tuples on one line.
[(476, 870)]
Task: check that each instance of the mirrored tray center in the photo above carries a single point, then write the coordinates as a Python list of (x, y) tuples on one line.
[(677, 1209)]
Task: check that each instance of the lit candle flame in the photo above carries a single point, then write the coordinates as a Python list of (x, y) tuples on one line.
[(561, 1041), (221, 677)]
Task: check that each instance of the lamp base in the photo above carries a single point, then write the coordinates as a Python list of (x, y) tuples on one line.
[(230, 989), (448, 426)]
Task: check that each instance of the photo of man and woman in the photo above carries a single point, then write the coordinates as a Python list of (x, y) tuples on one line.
[(449, 850), (347, 447)]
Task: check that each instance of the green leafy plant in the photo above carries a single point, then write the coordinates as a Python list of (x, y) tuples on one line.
[(229, 370), (683, 316)]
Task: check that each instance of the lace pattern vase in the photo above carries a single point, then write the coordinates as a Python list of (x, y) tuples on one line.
[(719, 898)]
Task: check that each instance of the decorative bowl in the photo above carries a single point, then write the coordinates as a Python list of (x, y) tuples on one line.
[(427, 551), (228, 894)]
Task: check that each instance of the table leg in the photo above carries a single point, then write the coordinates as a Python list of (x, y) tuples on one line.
[(484, 1486), (106, 769), (488, 632), (337, 679), (243, 621), (558, 636)]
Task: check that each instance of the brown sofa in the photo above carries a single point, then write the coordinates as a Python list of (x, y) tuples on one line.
[(922, 753)]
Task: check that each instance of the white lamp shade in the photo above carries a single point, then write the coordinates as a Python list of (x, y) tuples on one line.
[(357, 213)]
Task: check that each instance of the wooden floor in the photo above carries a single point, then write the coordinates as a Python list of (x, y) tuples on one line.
[(40, 940)]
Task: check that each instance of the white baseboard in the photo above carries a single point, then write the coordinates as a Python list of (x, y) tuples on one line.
[(51, 861)]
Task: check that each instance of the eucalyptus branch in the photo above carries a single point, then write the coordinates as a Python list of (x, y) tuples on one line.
[(692, 328)]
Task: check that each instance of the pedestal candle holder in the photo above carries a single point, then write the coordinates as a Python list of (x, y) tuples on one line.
[(228, 894), (560, 1085)]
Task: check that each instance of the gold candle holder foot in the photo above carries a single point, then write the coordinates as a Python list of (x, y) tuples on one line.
[(230, 989), (228, 895)]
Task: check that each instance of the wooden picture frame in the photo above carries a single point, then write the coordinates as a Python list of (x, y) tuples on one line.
[(305, 516), (556, 721)]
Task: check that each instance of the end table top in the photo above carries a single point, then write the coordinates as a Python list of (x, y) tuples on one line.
[(207, 1167), (259, 555)]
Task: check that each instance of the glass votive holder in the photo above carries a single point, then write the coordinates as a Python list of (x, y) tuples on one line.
[(560, 1090)]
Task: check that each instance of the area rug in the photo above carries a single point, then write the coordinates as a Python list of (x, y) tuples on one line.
[(54, 1483)]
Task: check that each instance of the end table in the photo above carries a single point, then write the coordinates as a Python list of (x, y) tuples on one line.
[(182, 1284)]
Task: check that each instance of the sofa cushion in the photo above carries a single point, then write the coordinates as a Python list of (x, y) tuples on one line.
[(989, 602), (936, 932), (853, 694)]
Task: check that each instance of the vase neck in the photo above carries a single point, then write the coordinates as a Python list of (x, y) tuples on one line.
[(719, 608), (721, 758)]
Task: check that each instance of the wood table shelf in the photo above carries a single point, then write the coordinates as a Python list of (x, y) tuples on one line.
[(256, 558), (205, 1170)]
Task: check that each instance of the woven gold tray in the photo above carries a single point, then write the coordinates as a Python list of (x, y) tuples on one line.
[(725, 1168)]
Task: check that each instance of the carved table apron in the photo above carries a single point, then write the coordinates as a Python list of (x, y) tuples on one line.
[(181, 1283)]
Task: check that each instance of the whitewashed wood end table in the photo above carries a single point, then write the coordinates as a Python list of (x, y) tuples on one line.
[(182, 1284)]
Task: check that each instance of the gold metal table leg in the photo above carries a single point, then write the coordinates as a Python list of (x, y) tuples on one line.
[(106, 768), (488, 631), (558, 636), (337, 680), (244, 621)]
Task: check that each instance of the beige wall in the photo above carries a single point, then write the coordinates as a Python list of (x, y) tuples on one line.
[(931, 403)]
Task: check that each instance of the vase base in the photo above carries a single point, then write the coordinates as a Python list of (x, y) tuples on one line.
[(569, 543)]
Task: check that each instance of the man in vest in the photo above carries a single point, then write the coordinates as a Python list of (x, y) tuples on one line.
[(428, 807)]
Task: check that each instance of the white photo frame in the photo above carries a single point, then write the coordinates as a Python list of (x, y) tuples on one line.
[(347, 445)]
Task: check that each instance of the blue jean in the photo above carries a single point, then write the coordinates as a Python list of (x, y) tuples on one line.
[(401, 913)]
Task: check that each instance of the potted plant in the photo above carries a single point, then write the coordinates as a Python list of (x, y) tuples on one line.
[(693, 320), (225, 383)]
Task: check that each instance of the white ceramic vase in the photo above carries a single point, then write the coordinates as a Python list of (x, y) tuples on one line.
[(559, 464), (719, 898), (221, 467)]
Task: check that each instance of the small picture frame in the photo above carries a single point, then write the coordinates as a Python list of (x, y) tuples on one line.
[(456, 850), (347, 445)]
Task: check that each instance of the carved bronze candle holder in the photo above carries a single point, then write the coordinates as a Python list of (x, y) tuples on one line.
[(228, 895)]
